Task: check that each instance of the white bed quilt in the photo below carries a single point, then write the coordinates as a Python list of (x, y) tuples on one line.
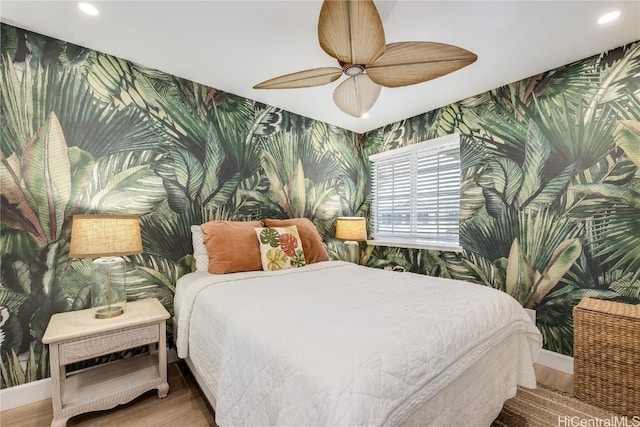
[(338, 344)]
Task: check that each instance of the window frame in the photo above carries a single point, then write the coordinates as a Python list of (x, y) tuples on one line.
[(412, 239)]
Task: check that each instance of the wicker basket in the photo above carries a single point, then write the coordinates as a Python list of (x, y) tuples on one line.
[(606, 355)]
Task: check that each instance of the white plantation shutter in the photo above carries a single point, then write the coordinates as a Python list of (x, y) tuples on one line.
[(416, 194)]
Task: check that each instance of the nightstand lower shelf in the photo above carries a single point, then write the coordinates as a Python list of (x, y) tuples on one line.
[(106, 386)]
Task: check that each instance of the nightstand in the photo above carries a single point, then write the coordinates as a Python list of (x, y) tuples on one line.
[(77, 335)]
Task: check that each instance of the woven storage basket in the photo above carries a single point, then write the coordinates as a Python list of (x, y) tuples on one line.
[(606, 355)]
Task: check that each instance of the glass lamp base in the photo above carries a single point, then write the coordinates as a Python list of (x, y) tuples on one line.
[(107, 312), (353, 249), (108, 289)]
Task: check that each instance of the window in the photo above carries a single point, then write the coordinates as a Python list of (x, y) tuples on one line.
[(416, 195)]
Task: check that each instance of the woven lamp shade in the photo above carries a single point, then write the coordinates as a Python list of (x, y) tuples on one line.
[(352, 228), (105, 235)]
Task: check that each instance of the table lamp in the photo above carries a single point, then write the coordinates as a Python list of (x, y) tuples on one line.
[(352, 229), (106, 237)]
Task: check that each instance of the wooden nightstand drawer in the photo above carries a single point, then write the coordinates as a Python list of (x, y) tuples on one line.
[(110, 342)]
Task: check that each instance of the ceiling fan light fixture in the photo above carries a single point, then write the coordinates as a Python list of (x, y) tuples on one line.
[(354, 70)]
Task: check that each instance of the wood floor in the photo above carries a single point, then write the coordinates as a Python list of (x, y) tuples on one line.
[(554, 379), (184, 406)]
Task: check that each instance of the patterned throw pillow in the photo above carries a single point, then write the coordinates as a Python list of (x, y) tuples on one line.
[(312, 245), (280, 248)]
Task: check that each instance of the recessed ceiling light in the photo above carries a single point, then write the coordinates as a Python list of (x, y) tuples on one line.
[(608, 17), (364, 116), (89, 9)]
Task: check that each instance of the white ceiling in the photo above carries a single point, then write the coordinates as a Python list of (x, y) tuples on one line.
[(232, 45)]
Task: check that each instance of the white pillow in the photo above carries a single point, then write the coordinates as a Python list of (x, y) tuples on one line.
[(199, 249)]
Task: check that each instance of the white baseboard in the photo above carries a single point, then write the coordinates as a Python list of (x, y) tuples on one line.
[(25, 394), (36, 391), (551, 359), (557, 361)]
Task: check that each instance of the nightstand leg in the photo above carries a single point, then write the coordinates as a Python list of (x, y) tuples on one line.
[(162, 361), (163, 390), (58, 373), (62, 422)]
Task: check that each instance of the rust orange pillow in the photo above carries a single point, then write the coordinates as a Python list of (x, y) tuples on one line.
[(312, 245), (232, 246)]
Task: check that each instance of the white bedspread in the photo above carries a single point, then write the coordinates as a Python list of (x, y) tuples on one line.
[(337, 344)]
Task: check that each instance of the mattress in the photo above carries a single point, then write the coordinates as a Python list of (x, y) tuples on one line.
[(334, 343)]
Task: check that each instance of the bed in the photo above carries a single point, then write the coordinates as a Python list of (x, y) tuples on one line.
[(335, 343)]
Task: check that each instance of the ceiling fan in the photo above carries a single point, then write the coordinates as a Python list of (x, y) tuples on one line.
[(351, 31)]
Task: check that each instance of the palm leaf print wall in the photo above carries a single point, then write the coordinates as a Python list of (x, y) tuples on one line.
[(84, 132), (550, 200), (550, 181)]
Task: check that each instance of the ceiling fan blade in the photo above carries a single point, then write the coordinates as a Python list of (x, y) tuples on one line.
[(356, 95), (306, 78), (408, 63), (351, 31)]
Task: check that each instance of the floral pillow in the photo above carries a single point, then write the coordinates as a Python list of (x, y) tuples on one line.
[(280, 248)]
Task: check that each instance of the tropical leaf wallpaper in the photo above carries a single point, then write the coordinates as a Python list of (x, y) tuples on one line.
[(550, 196)]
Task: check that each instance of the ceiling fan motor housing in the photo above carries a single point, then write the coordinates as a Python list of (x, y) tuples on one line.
[(353, 70)]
